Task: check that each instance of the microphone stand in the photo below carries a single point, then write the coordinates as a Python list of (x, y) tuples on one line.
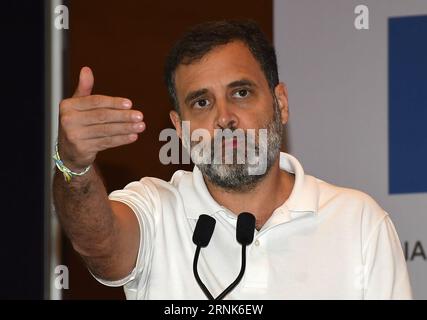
[(202, 234), (196, 275), (244, 235), (239, 277)]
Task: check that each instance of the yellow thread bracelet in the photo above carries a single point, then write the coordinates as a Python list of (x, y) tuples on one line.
[(68, 174)]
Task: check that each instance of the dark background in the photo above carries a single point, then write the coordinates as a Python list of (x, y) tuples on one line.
[(22, 154)]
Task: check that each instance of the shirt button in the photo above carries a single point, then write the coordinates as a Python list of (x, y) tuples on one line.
[(257, 242)]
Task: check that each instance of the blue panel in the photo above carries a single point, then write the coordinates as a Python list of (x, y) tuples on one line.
[(407, 104)]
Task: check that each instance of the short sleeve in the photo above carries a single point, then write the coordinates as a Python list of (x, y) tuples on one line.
[(385, 271), (142, 197)]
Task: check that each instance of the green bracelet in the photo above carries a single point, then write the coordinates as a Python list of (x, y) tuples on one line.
[(68, 174)]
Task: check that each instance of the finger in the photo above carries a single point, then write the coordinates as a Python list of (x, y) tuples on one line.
[(111, 142), (111, 129), (99, 116), (85, 85), (100, 101)]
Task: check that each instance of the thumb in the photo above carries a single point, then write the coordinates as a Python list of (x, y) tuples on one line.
[(86, 80)]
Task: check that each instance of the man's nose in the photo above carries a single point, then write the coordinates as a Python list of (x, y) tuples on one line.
[(225, 117)]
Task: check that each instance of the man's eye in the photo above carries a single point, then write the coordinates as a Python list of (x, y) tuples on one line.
[(203, 103), (242, 93)]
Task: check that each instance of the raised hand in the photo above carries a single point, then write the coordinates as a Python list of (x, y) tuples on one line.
[(92, 123)]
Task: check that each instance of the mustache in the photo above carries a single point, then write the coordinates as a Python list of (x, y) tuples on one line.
[(230, 133), (230, 141)]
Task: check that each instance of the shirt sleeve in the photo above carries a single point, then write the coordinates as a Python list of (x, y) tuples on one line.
[(385, 271), (142, 198)]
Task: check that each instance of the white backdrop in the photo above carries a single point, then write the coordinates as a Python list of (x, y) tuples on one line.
[(337, 78)]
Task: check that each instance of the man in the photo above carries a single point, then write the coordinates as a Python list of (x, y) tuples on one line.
[(312, 240)]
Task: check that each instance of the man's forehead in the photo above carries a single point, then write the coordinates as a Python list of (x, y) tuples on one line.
[(221, 66)]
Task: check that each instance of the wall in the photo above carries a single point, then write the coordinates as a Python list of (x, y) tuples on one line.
[(345, 126)]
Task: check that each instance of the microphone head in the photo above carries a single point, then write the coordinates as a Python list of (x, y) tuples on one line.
[(204, 229), (245, 228)]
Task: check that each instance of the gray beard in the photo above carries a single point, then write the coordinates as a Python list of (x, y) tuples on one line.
[(236, 177)]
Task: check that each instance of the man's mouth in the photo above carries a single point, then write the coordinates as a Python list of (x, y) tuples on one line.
[(230, 143)]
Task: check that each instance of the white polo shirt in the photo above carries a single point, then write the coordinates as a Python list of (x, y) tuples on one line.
[(324, 242)]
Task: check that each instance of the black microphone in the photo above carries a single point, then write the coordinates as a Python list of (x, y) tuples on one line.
[(202, 235), (245, 235)]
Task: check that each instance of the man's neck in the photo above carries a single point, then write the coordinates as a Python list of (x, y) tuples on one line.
[(270, 193)]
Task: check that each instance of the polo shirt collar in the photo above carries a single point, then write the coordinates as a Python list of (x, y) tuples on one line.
[(303, 198)]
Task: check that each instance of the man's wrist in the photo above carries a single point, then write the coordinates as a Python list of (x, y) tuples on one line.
[(67, 172)]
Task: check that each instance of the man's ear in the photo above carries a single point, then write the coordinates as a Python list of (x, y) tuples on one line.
[(281, 93), (176, 121)]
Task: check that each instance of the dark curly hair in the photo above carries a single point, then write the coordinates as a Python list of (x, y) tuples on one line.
[(204, 37)]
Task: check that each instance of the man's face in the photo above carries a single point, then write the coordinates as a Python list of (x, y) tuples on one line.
[(226, 85), (228, 89)]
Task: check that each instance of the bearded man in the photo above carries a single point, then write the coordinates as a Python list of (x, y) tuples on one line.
[(312, 240)]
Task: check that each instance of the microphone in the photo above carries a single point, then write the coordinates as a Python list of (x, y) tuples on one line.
[(202, 235), (245, 235)]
